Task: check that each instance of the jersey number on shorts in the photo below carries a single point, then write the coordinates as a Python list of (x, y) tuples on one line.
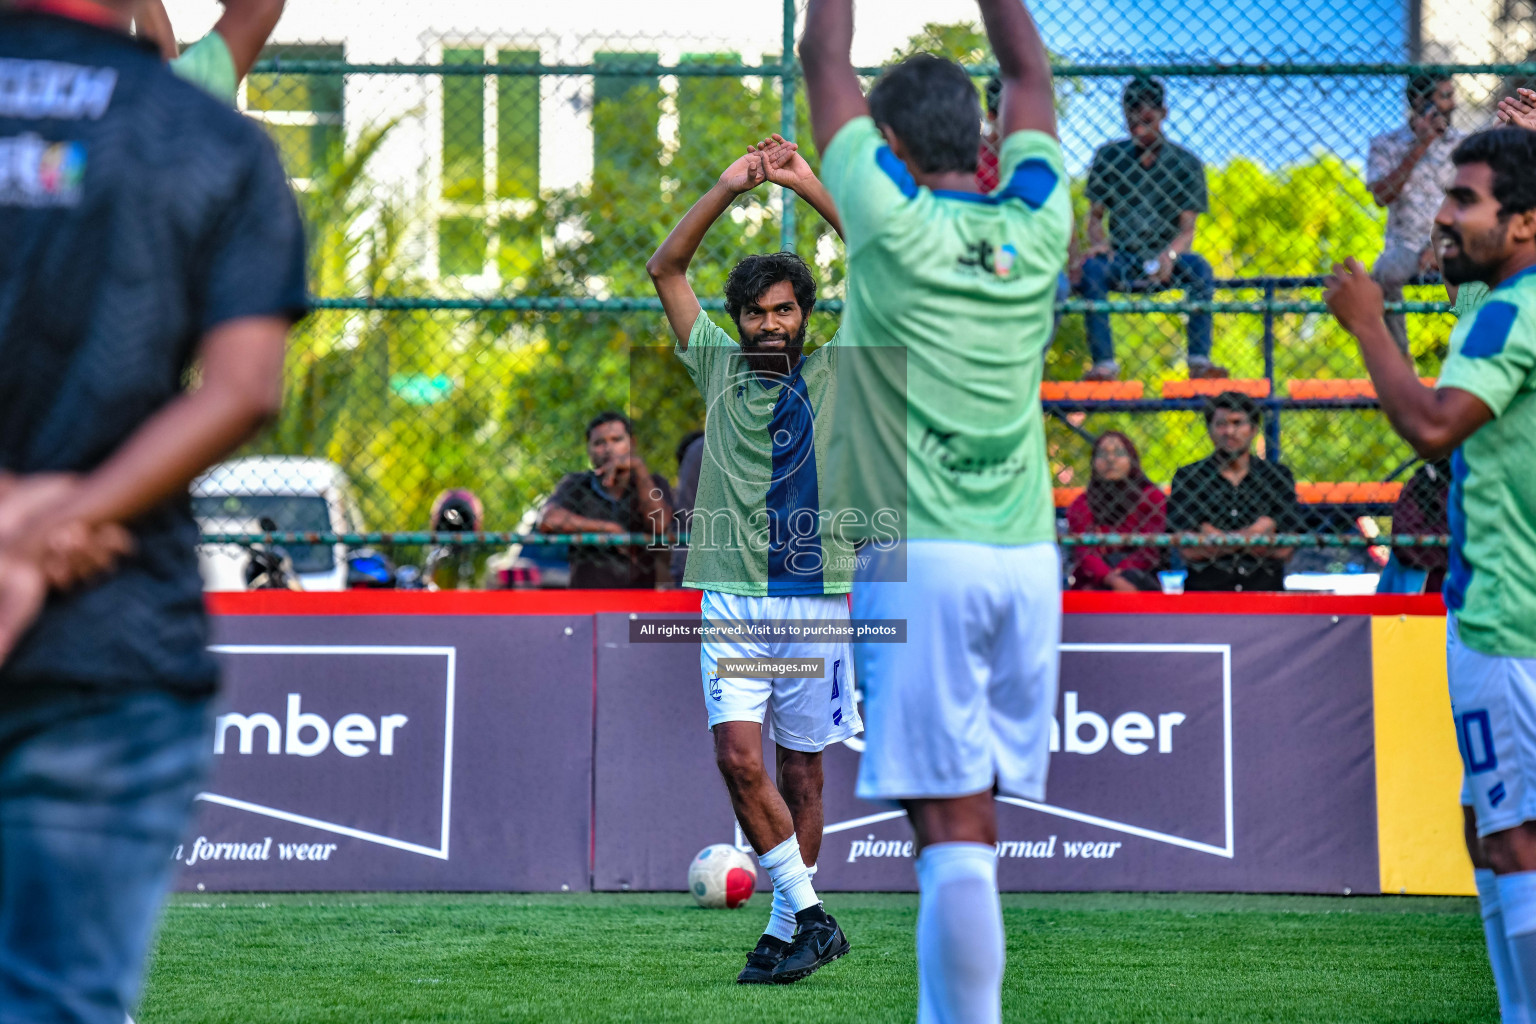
[(1476, 736)]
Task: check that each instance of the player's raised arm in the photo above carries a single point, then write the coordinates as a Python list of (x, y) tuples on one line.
[(830, 82), (151, 22), (1029, 97), (668, 266), (788, 168), (1433, 420), (245, 26)]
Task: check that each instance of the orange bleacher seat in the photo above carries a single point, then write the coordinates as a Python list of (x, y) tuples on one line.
[(1091, 390), (1206, 388), (1368, 492), (1313, 390), (1365, 493)]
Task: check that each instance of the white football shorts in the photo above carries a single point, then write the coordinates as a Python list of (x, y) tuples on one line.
[(804, 714), (1493, 701), (967, 701)]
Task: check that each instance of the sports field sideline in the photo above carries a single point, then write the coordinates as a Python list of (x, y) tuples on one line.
[(655, 957)]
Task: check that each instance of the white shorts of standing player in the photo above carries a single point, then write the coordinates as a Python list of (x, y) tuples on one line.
[(807, 715), (1493, 700), (968, 699)]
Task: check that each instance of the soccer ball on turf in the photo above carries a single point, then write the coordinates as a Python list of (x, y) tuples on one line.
[(721, 876)]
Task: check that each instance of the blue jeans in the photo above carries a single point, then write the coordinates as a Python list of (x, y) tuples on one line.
[(1063, 293), (96, 789), (1122, 272)]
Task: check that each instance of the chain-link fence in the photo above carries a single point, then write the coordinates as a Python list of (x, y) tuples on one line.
[(482, 199)]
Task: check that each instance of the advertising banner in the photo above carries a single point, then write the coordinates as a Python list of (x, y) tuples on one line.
[(1226, 753), (398, 753), (535, 752)]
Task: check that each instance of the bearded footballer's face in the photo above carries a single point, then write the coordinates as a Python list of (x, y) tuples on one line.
[(1475, 238), (772, 329)]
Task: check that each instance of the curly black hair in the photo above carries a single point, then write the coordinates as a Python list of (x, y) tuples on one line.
[(1511, 153), (756, 274)]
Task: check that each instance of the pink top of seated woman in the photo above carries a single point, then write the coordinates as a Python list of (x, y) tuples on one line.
[(1119, 499)]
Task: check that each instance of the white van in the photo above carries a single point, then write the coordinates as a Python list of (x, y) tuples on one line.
[(299, 495)]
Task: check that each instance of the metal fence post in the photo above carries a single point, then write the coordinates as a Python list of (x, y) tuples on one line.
[(789, 67), (1272, 420)]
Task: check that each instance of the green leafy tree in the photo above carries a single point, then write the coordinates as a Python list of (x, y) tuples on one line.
[(411, 402)]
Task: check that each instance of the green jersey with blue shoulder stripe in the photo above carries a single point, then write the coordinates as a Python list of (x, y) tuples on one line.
[(759, 528), (948, 312)]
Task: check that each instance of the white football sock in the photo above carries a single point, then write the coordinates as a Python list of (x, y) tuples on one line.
[(1511, 998), (1517, 900), (781, 919), (790, 875), (960, 948)]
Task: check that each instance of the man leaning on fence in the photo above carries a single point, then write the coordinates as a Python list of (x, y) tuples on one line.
[(1407, 172), (617, 495), (1234, 492), (129, 251), (1153, 192)]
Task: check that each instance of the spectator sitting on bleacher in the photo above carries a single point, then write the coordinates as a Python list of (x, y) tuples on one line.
[(1153, 191), (1407, 172), (1118, 499), (1231, 492)]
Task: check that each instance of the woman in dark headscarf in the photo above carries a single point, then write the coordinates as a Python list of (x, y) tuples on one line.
[(1119, 499)]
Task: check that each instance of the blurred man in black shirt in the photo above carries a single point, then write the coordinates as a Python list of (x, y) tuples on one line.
[(617, 495), (146, 226), (1229, 492)]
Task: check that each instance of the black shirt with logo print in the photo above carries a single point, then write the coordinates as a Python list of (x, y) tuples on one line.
[(137, 213)]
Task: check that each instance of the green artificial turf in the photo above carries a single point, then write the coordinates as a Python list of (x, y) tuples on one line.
[(655, 957)]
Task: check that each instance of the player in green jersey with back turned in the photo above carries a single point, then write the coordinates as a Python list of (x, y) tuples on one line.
[(1483, 414), (758, 549), (949, 309)]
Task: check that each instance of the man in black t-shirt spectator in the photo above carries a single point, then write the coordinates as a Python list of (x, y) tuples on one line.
[(1232, 492), (146, 227), (617, 495), (1153, 192)]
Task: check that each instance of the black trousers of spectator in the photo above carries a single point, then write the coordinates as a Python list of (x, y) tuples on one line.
[(1267, 575)]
